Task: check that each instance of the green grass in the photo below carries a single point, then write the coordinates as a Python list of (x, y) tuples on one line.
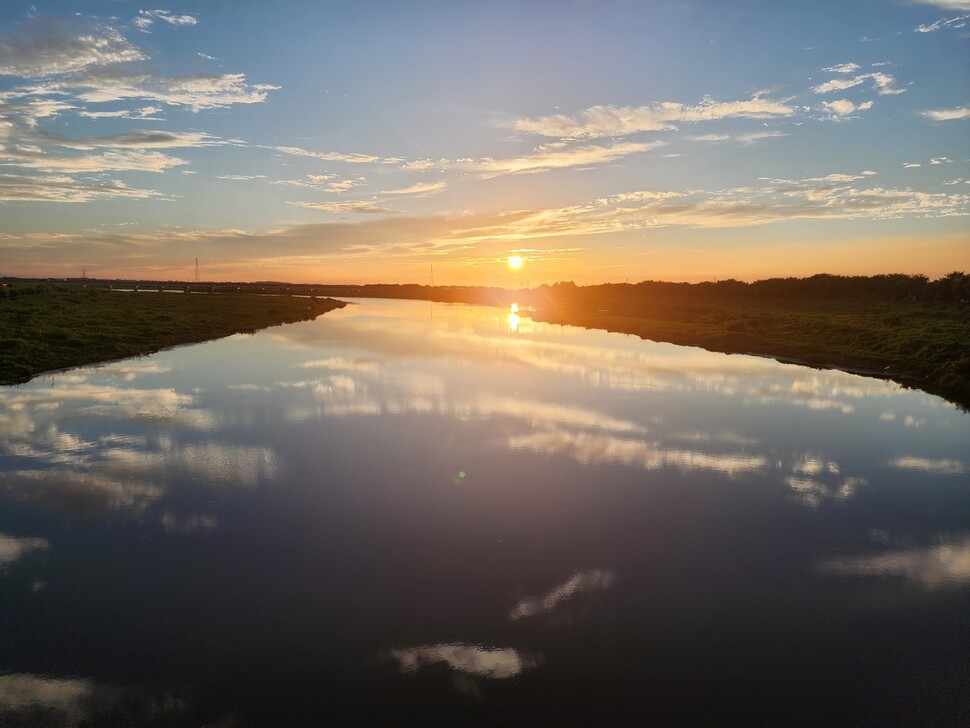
[(45, 327), (921, 344)]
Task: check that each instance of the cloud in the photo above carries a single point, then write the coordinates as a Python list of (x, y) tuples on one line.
[(344, 206), (740, 138), (884, 84), (843, 68), (420, 189), (955, 114), (947, 4), (941, 160), (112, 161), (553, 157), (341, 185), (615, 121), (198, 92), (958, 22), (146, 139), (15, 188), (44, 47), (911, 165), (579, 583), (350, 157), (844, 107), (146, 19), (142, 114)]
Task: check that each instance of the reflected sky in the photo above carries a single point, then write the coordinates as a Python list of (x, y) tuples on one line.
[(448, 490)]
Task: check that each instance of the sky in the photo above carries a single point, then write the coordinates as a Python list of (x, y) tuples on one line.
[(598, 140)]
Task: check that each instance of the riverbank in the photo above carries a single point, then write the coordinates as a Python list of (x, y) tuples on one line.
[(48, 327), (921, 345)]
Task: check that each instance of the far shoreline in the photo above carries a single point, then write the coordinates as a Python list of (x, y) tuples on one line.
[(903, 328)]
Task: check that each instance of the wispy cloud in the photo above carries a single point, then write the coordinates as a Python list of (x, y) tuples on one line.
[(111, 161), (963, 5), (955, 114), (739, 138), (883, 83), (949, 23), (615, 121), (555, 157), (349, 157), (843, 68), (579, 583), (420, 189), (146, 19), (65, 189), (344, 206)]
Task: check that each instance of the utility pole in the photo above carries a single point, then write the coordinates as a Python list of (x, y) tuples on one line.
[(432, 275), (196, 270)]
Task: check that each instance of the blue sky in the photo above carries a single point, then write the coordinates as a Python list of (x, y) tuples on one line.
[(354, 142)]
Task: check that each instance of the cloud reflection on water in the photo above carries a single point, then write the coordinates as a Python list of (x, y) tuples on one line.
[(13, 548), (579, 583), (932, 567), (492, 662)]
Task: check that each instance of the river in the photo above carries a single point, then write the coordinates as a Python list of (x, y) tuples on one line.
[(415, 513)]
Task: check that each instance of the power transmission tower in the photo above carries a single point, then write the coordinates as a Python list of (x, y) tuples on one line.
[(196, 270)]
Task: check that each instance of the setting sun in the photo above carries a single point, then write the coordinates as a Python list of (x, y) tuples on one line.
[(515, 261)]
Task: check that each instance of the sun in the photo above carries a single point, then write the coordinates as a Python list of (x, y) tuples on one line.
[(515, 261)]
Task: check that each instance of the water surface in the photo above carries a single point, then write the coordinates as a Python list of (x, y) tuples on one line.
[(406, 511)]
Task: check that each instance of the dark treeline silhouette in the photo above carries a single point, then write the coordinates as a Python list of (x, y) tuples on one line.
[(954, 287)]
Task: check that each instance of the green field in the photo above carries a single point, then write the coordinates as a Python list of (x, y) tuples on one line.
[(921, 344), (45, 327)]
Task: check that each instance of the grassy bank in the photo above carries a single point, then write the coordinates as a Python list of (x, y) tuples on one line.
[(921, 344), (44, 327)]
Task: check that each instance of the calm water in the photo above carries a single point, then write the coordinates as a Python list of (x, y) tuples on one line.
[(410, 512)]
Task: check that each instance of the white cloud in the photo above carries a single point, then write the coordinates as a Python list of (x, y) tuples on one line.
[(883, 83), (844, 107), (350, 157), (420, 189), (947, 4), (344, 206), (547, 158), (843, 68), (146, 113), (47, 47), (65, 189), (603, 121), (740, 138), (111, 161), (146, 19), (958, 22), (202, 91), (911, 165), (341, 185), (955, 114), (941, 160)]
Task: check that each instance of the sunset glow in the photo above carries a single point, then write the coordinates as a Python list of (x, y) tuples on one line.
[(614, 141)]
